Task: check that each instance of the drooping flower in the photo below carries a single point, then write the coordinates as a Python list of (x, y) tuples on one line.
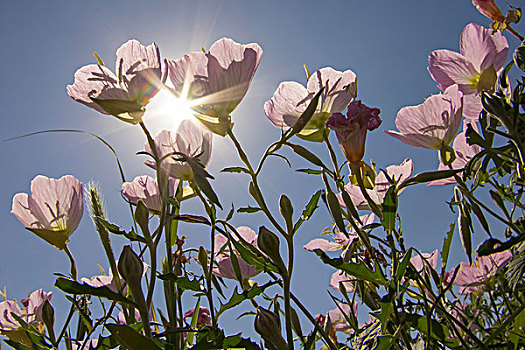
[(145, 188), (203, 318), (432, 123), (216, 81), (291, 99), (31, 314), (351, 130), (489, 9), (464, 153), (472, 278), (138, 79), (223, 259), (190, 139), (53, 210), (398, 173), (482, 55), (341, 240)]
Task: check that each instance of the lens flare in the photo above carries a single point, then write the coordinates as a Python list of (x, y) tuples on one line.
[(166, 111)]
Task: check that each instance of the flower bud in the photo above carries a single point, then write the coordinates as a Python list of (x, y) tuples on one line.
[(268, 325), (489, 9), (130, 266), (269, 243)]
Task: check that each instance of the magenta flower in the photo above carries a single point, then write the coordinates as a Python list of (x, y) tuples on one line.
[(340, 238), (190, 139), (124, 96), (145, 188), (224, 266), (430, 260), (464, 153), (218, 80), (398, 173), (31, 314), (431, 123), (351, 130), (203, 318), (472, 278), (291, 99), (53, 210)]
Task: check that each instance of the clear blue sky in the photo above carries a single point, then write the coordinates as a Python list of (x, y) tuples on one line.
[(386, 43)]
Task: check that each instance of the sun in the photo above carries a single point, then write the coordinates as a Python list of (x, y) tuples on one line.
[(166, 111)]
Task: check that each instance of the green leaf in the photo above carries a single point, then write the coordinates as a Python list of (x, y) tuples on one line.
[(142, 217), (390, 209), (430, 176), (481, 218), (445, 250), (248, 254), (130, 338), (248, 209), (350, 206), (132, 236), (465, 231), (519, 56), (230, 213), (75, 288), (215, 339), (384, 342), (358, 270), (238, 298), (235, 169), (310, 171), (335, 209), (386, 310), (119, 107), (200, 175), (518, 329), (401, 268), (306, 154), (183, 282), (309, 209), (306, 116), (438, 330)]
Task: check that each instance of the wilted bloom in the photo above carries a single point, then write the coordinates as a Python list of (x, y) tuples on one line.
[(398, 173), (351, 130), (138, 79), (432, 123), (471, 278), (430, 260), (203, 318), (341, 240), (53, 210), (291, 99), (224, 266), (464, 153), (31, 314), (482, 54), (217, 80), (145, 188), (489, 9), (190, 139)]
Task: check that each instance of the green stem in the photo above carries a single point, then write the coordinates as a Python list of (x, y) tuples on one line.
[(72, 261)]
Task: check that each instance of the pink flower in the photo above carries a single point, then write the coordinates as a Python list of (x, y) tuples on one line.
[(342, 277), (203, 319), (482, 54), (291, 99), (351, 130), (340, 239), (125, 95), (86, 345), (218, 80), (430, 260), (53, 210), (464, 153), (489, 9), (190, 139), (224, 266), (145, 188), (398, 173), (339, 315), (31, 314), (431, 123), (471, 278), (103, 281)]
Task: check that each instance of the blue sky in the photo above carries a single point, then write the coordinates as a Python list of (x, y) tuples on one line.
[(386, 43)]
